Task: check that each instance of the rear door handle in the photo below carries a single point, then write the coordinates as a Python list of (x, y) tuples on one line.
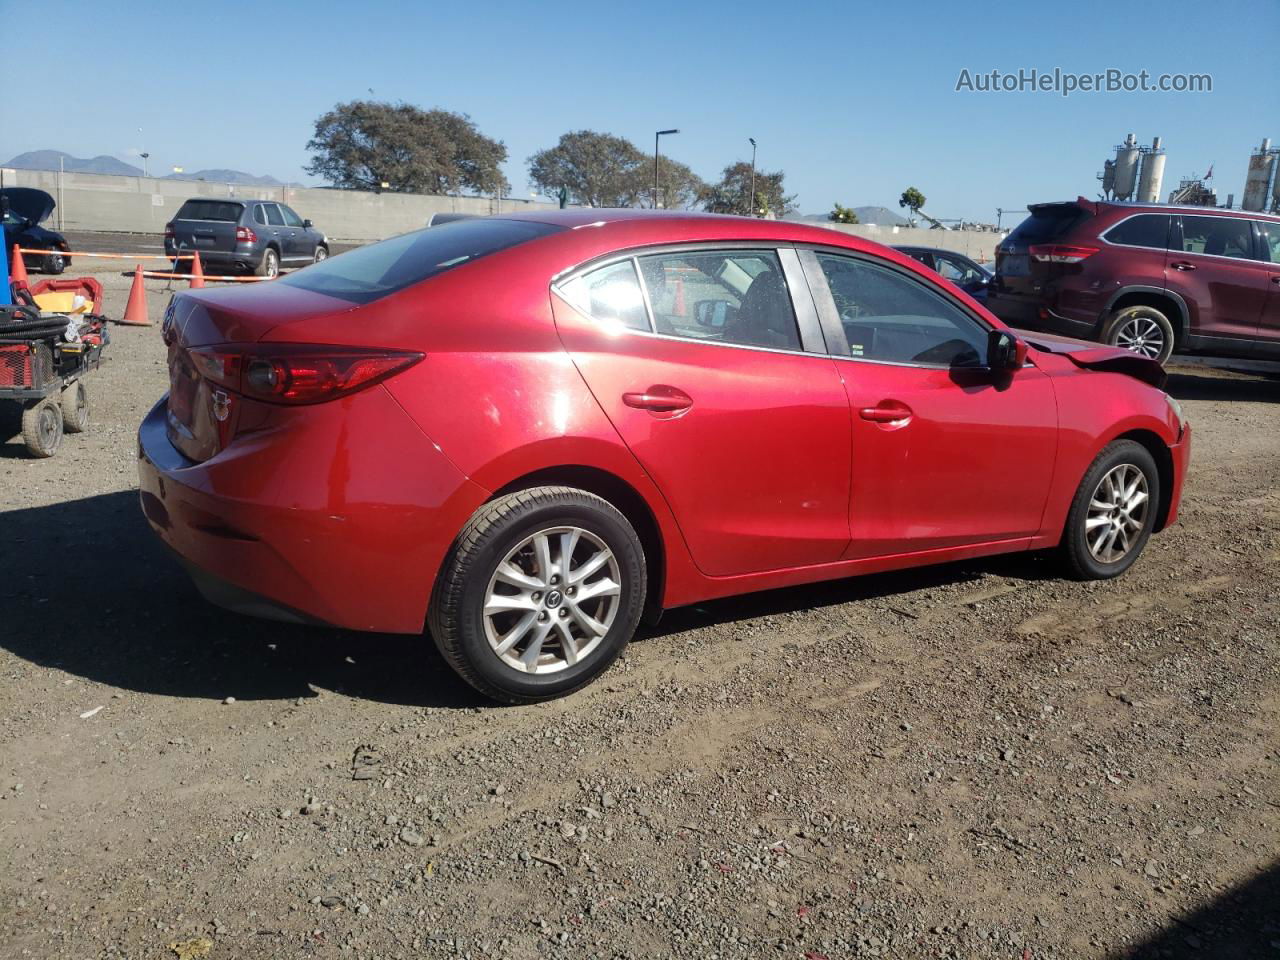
[(1275, 279), (1183, 265), (886, 412), (659, 399)]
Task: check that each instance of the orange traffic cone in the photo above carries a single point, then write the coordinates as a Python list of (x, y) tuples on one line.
[(197, 272), (679, 308), (135, 314), (18, 269)]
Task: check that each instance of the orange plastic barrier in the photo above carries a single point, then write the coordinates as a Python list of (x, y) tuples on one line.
[(161, 275)]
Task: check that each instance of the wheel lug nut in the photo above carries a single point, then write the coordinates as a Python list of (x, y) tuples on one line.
[(563, 613), (537, 596), (555, 578), (571, 591), (542, 616)]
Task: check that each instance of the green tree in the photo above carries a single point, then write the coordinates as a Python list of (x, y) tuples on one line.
[(912, 199), (732, 194), (598, 169), (679, 187), (841, 214), (362, 144)]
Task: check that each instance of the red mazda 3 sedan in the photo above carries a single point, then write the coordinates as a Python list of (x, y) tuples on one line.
[(525, 434)]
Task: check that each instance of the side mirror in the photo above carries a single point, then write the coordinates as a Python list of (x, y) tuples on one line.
[(711, 313), (1005, 351), (306, 223)]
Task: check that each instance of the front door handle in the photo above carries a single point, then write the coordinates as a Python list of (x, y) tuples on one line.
[(887, 411), (1183, 265), (1276, 279), (659, 399)]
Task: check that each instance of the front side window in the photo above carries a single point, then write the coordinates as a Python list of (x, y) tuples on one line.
[(610, 294), (722, 296), (1218, 236), (1144, 230), (273, 215), (894, 319), (291, 219), (957, 271)]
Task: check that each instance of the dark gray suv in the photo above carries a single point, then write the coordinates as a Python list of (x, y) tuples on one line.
[(257, 235)]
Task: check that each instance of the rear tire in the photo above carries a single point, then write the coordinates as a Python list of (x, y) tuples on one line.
[(1108, 524), (1140, 329), (512, 616), (42, 427), (269, 266), (75, 408)]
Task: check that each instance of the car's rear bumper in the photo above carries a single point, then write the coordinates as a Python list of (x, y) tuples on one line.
[(311, 523), (241, 259)]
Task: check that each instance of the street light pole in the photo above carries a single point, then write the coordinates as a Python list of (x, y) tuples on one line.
[(660, 133), (751, 204)]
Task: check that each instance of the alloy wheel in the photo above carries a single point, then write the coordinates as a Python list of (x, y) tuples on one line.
[(1117, 513), (1141, 335), (552, 600)]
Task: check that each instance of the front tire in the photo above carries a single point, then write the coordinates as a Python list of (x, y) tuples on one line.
[(322, 252), (1140, 329), (54, 263), (540, 594), (1113, 512), (75, 408)]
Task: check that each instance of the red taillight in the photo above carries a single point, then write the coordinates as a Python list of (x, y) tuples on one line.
[(298, 374), (246, 235), (168, 231), (1060, 252)]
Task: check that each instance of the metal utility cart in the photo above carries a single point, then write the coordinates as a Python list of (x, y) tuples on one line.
[(42, 360)]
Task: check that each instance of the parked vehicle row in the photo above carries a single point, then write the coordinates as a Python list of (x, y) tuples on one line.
[(1152, 279), (530, 432), (250, 235)]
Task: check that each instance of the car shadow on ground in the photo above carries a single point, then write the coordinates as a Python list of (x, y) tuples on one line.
[(1190, 386), (86, 588), (1243, 922)]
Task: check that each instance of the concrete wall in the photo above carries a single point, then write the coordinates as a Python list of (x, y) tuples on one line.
[(88, 201), (977, 245)]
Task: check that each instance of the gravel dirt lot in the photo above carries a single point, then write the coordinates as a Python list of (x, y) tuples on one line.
[(979, 760)]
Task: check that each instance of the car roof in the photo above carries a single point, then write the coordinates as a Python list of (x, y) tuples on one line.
[(684, 226), (1135, 206)]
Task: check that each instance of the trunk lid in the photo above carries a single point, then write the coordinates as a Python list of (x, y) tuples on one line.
[(202, 414)]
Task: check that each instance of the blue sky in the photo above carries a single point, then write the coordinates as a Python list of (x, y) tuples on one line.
[(854, 100)]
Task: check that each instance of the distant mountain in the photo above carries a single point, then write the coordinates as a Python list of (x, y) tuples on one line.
[(227, 176), (880, 216), (48, 160)]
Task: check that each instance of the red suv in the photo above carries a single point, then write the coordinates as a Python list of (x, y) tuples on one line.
[(1150, 278)]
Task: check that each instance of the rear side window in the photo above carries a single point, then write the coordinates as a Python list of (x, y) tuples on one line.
[(725, 296), (611, 294), (1048, 223), (222, 211), (1218, 236), (1144, 230), (369, 273)]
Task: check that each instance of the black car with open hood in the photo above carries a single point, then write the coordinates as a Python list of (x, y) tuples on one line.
[(24, 209)]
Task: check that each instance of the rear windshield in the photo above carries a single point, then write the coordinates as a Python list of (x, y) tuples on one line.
[(367, 273), (1047, 224), (223, 211)]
